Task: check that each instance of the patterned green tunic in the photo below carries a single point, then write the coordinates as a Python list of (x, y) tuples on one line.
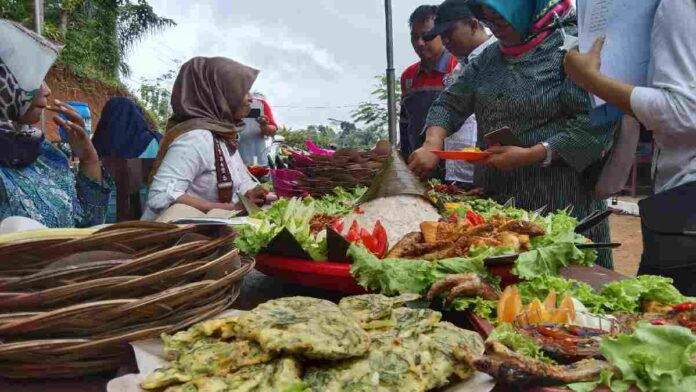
[(531, 95)]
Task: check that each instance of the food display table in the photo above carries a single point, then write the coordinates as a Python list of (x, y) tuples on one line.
[(258, 288)]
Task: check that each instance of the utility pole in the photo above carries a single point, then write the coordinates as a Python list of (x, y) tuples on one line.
[(38, 16), (38, 26), (391, 78)]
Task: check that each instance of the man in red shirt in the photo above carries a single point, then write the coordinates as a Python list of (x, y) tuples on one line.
[(422, 82)]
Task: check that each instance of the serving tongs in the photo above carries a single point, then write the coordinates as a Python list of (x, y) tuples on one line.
[(510, 258), (592, 220)]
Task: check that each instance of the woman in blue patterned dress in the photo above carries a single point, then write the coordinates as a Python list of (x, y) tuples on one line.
[(36, 180), (520, 83)]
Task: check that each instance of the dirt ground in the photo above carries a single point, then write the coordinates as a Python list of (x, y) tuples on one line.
[(625, 229)]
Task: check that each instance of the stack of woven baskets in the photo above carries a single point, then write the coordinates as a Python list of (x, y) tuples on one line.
[(69, 307)]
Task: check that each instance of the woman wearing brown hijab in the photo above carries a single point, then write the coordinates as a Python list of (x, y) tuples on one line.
[(198, 164)]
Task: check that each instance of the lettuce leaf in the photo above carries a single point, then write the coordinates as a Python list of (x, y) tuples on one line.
[(625, 295), (655, 358), (292, 214), (540, 286), (546, 260), (506, 334), (389, 276), (400, 276), (482, 307)]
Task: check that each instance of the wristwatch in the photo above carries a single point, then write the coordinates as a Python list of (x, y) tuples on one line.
[(549, 155)]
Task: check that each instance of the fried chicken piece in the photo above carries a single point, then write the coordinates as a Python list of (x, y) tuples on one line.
[(510, 240), (510, 367), (463, 285), (484, 241), (406, 246), (523, 227)]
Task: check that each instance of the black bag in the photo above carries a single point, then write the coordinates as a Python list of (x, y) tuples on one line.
[(668, 221)]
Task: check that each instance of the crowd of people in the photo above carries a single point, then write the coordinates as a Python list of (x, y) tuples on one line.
[(485, 65)]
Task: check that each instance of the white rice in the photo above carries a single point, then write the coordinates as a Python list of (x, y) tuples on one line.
[(399, 215)]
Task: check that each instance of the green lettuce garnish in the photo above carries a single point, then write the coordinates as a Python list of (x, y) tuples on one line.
[(506, 334), (399, 276), (654, 358)]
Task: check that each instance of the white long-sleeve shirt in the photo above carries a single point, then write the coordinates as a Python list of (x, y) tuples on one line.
[(467, 133), (189, 169), (668, 105)]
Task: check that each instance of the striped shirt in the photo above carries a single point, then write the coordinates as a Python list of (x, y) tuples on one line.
[(531, 95)]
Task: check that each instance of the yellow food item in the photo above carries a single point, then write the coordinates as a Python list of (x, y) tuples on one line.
[(471, 149), (510, 309), (550, 301), (453, 206), (510, 305)]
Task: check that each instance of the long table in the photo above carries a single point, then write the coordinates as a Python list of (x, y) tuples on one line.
[(259, 288)]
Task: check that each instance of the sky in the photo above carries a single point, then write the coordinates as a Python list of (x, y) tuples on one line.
[(318, 58)]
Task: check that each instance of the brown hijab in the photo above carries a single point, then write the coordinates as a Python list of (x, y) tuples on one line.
[(206, 94)]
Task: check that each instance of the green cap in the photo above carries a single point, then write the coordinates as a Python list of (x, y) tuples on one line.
[(447, 14)]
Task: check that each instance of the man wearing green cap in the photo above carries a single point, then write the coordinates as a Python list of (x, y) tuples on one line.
[(465, 37)]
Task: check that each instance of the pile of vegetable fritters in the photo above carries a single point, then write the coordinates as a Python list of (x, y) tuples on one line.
[(300, 344)]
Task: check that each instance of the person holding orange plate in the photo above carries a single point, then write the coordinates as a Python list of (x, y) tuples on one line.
[(519, 83)]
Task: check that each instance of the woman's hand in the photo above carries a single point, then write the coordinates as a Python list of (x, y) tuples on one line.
[(267, 129), (583, 68), (80, 144), (423, 162), (511, 157), (257, 195)]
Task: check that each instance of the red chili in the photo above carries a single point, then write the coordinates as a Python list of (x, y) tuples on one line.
[(474, 219), (358, 211), (684, 306), (658, 322), (454, 218)]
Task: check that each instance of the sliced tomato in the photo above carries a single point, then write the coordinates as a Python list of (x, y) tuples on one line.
[(380, 235), (353, 233), (338, 226), (369, 241)]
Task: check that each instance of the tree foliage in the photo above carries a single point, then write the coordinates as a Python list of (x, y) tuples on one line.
[(322, 135), (369, 124), (97, 34), (155, 96)]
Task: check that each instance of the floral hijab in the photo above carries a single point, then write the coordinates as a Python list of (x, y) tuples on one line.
[(533, 20), (20, 144)]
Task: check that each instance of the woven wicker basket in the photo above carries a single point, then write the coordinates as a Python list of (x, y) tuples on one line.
[(69, 307)]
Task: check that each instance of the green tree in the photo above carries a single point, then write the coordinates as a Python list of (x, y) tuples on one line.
[(97, 34), (373, 115), (155, 96), (322, 135)]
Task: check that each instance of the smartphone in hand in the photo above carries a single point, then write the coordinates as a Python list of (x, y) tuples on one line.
[(502, 137)]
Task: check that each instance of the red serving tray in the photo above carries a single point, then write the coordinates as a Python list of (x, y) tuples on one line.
[(334, 276), (468, 156), (325, 275)]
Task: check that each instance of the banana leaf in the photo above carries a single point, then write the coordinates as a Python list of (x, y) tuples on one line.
[(394, 179)]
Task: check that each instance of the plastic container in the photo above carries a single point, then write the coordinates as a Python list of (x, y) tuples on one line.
[(83, 109)]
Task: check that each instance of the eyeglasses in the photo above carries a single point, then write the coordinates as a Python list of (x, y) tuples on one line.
[(498, 22)]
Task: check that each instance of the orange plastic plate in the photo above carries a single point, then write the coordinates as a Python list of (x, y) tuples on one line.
[(469, 156)]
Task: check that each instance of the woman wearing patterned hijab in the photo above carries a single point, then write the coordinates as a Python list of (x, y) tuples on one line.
[(520, 83), (36, 180), (198, 163)]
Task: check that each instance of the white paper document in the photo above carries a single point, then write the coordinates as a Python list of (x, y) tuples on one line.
[(627, 28)]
